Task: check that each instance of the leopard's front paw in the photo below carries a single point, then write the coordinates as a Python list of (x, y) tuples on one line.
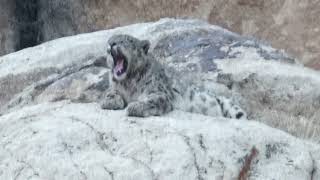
[(112, 102), (136, 109)]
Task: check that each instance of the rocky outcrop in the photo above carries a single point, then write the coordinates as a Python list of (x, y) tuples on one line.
[(80, 141), (52, 127)]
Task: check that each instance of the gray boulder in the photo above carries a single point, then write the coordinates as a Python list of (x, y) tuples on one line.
[(52, 127)]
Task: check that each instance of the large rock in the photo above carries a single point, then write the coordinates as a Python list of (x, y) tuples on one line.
[(174, 41), (282, 95), (52, 128), (80, 141)]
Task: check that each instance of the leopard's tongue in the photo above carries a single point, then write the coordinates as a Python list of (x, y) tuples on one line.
[(119, 66)]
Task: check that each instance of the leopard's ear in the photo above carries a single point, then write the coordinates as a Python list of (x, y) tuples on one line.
[(145, 45)]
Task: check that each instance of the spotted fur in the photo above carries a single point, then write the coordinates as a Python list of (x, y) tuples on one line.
[(144, 88)]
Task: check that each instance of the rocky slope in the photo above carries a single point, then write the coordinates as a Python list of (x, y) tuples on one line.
[(52, 127)]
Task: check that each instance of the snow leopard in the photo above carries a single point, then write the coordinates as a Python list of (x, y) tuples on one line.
[(145, 87)]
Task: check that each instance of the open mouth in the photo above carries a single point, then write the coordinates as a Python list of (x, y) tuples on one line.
[(119, 60)]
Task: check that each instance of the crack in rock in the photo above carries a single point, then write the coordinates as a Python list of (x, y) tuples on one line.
[(19, 171), (104, 147), (314, 168), (150, 153), (92, 62), (152, 174), (75, 165), (99, 135), (194, 156), (110, 173), (201, 143), (26, 166)]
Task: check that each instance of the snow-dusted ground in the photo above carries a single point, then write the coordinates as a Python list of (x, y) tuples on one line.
[(52, 128)]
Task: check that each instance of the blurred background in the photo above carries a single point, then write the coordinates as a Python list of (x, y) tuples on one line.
[(292, 25)]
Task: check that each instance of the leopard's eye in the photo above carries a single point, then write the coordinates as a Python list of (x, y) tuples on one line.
[(112, 44)]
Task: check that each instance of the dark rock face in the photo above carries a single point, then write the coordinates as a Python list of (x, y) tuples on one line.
[(202, 44), (207, 46), (27, 24), (7, 32), (57, 19)]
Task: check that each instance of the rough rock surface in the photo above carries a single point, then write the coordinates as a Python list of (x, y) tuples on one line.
[(80, 141), (52, 128)]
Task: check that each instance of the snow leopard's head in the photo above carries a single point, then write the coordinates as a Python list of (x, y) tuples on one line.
[(128, 54)]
